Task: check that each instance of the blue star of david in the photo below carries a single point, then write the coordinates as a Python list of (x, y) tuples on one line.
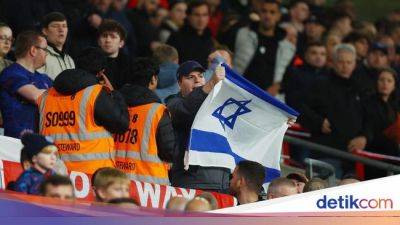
[(231, 119)]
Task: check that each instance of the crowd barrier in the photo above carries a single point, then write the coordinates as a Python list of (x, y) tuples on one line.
[(146, 194), (298, 136)]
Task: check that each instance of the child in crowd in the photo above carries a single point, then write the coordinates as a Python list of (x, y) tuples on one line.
[(58, 186), (42, 155), (110, 183)]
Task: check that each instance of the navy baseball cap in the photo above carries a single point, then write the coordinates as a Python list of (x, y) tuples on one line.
[(187, 67), (379, 47)]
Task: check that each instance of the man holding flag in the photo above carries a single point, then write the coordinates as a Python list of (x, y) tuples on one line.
[(239, 121), (183, 108)]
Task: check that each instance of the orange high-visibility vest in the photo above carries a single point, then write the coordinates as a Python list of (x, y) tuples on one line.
[(136, 150), (69, 120)]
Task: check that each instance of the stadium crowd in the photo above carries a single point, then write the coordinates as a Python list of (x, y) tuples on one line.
[(116, 84)]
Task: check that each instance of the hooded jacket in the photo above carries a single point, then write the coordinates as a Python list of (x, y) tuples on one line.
[(137, 95), (110, 110), (56, 62)]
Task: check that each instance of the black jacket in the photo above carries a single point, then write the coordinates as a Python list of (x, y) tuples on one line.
[(300, 79), (117, 70), (367, 78), (338, 100), (24, 15), (183, 111), (165, 137), (192, 46), (110, 110), (379, 116), (145, 32)]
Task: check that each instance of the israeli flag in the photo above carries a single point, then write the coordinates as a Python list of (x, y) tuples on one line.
[(239, 121)]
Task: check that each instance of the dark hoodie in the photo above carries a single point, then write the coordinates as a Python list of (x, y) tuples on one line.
[(110, 110), (137, 95)]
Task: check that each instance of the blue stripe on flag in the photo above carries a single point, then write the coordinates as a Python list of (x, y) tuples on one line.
[(255, 90), (212, 142)]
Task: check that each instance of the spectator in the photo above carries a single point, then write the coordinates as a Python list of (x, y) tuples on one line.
[(381, 110), (360, 42), (257, 48), (118, 13), (57, 186), (21, 84), (210, 198), (247, 180), (301, 79), (299, 12), (111, 183), (91, 112), (281, 187), (220, 55), (27, 15), (124, 202), (194, 40), (167, 83), (332, 109), (216, 15), (376, 60), (331, 40), (152, 140), (315, 184), (55, 28), (183, 108), (348, 181), (395, 33), (111, 40), (6, 40), (389, 43), (90, 19), (177, 204), (146, 33), (158, 17), (314, 29), (198, 204), (342, 24), (299, 179), (176, 19), (42, 155)]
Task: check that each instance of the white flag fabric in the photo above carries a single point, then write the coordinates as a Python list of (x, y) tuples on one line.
[(239, 121)]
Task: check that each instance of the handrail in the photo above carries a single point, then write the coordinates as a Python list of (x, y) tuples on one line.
[(342, 154)]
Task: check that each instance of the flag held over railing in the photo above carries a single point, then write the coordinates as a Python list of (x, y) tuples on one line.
[(239, 121)]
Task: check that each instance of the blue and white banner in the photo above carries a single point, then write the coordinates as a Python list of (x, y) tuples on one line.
[(239, 121)]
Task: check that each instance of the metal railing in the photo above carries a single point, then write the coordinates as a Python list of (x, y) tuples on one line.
[(391, 168)]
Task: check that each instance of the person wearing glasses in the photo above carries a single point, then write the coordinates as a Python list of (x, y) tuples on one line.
[(6, 39), (21, 84)]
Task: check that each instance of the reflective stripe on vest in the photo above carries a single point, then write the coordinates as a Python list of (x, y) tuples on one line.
[(83, 146), (83, 134), (84, 157), (148, 179), (144, 146), (148, 166)]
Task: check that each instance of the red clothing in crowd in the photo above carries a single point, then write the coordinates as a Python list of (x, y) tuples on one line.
[(215, 22), (133, 3)]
